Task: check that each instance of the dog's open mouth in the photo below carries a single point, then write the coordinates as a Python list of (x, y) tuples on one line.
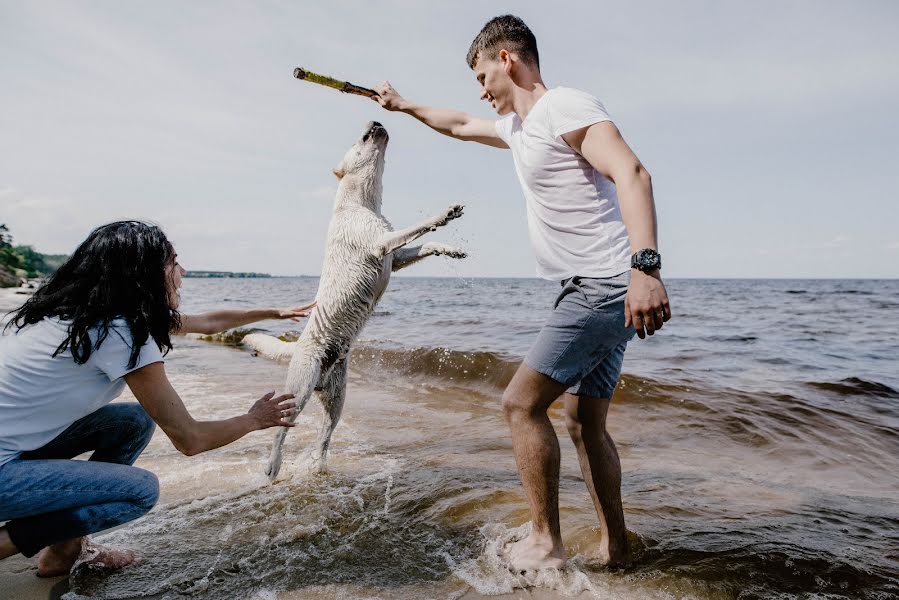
[(375, 132)]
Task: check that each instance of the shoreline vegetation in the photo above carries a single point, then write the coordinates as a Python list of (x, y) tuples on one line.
[(20, 263), (225, 275)]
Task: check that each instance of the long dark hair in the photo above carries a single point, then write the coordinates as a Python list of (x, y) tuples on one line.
[(119, 271)]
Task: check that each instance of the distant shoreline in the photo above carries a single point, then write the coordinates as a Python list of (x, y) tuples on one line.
[(225, 275)]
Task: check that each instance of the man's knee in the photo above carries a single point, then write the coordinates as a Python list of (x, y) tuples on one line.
[(585, 416), (515, 403), (529, 394), (575, 427)]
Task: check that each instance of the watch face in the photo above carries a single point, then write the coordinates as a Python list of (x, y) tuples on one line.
[(648, 259)]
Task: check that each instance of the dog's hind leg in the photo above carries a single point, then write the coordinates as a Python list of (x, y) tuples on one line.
[(302, 376), (332, 395), (398, 239)]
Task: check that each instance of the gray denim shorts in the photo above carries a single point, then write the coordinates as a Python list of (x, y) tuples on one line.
[(582, 344)]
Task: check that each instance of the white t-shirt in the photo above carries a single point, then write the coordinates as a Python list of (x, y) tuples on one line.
[(574, 220), (41, 395)]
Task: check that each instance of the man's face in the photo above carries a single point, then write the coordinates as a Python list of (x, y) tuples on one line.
[(496, 84)]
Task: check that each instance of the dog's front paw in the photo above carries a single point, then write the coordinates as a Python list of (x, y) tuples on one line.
[(453, 212)]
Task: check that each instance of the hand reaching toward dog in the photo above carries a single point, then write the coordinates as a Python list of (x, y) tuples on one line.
[(294, 314), (271, 411)]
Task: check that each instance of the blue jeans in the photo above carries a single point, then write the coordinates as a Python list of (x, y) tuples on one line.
[(48, 498)]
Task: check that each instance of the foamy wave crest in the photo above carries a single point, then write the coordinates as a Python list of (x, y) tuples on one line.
[(489, 574)]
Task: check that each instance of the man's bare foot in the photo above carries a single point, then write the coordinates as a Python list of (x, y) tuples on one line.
[(604, 558), (617, 556), (533, 553), (59, 559)]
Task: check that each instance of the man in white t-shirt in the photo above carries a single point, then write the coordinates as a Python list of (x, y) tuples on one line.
[(591, 220)]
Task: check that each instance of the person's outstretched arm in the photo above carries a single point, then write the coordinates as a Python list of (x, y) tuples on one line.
[(220, 320), (453, 123), (151, 387)]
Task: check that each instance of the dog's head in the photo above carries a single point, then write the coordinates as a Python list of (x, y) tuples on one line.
[(366, 157)]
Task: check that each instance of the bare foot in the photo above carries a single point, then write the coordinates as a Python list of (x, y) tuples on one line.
[(532, 553), (59, 559), (604, 558), (617, 556)]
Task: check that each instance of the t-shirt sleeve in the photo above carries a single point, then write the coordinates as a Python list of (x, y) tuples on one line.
[(572, 109), (504, 128), (114, 353)]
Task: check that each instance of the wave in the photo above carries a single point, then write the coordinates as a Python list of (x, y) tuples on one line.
[(478, 367), (495, 369), (853, 386)]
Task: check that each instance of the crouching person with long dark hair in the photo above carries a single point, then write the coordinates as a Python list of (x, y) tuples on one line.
[(102, 321)]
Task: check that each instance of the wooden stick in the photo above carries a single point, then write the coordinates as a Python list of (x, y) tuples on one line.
[(343, 86)]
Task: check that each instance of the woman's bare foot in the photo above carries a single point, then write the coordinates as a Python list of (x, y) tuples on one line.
[(59, 559), (533, 553)]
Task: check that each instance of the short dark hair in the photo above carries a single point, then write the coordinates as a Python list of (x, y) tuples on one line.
[(118, 272), (506, 31)]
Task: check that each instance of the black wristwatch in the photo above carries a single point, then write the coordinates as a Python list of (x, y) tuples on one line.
[(646, 260)]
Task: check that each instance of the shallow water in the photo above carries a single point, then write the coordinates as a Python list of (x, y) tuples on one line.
[(757, 433)]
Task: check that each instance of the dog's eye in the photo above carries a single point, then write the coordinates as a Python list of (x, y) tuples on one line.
[(365, 138)]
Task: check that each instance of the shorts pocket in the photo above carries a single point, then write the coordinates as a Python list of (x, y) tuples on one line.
[(598, 292)]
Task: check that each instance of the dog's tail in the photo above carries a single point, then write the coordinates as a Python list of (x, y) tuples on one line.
[(269, 347)]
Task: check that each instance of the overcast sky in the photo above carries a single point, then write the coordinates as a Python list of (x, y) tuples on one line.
[(770, 128)]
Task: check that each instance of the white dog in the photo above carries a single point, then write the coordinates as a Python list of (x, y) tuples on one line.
[(362, 250)]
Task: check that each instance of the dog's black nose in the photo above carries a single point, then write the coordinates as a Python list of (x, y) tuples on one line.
[(374, 129)]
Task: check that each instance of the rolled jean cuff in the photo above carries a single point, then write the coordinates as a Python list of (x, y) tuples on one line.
[(31, 534)]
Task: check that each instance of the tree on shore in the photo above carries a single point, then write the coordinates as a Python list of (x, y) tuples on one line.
[(23, 261)]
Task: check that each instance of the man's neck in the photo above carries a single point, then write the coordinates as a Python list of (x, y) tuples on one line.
[(526, 95)]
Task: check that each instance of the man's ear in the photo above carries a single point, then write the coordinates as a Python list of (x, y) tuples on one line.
[(338, 173), (505, 57)]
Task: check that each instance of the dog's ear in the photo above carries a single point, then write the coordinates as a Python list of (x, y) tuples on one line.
[(338, 173)]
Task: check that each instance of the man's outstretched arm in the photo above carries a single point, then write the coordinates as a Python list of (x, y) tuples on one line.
[(454, 123)]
